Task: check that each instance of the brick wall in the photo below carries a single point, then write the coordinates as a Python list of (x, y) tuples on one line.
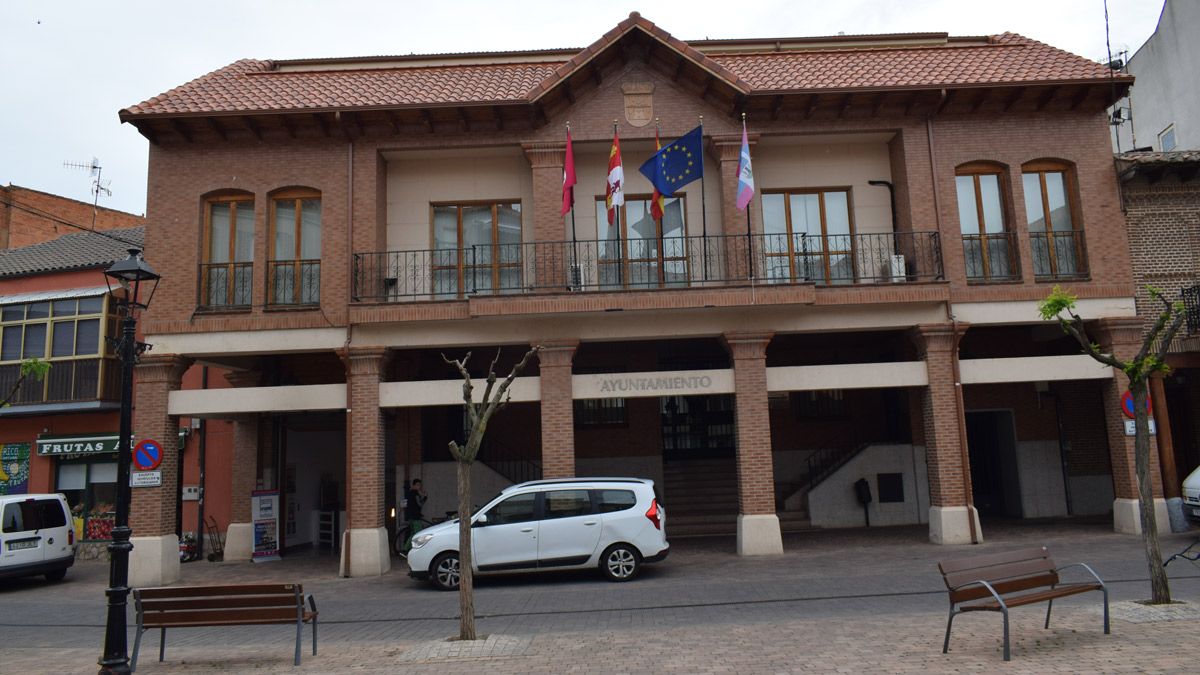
[(365, 451), (755, 465), (557, 408), (949, 471), (19, 227), (152, 511)]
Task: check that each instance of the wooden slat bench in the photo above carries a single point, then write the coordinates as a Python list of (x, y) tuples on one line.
[(237, 605), (1000, 581)]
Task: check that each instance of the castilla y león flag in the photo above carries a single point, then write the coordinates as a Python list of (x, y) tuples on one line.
[(614, 195)]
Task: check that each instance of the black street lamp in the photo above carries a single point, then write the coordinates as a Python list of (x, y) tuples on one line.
[(129, 275)]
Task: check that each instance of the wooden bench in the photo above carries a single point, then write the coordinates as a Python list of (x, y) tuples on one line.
[(1000, 581), (240, 605)]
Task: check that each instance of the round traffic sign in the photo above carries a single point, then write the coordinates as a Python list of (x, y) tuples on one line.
[(147, 455), (1127, 404)]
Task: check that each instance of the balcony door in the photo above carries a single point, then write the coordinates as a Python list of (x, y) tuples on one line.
[(988, 247), (808, 235), (226, 273), (1055, 240), (640, 252), (477, 248)]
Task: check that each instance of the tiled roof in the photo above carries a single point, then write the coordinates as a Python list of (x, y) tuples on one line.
[(70, 252), (258, 86), (1147, 158)]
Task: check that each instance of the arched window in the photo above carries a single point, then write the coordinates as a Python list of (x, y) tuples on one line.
[(294, 270), (988, 245), (226, 271), (1051, 210)]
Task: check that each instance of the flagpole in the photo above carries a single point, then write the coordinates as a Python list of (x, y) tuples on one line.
[(617, 224), (703, 203), (576, 275), (655, 198), (749, 233)]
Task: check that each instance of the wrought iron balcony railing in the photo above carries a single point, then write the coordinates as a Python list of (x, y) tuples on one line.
[(638, 264), (294, 282), (1191, 308), (991, 257), (226, 285), (1059, 255)]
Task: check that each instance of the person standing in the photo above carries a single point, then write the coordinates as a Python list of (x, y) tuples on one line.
[(415, 498)]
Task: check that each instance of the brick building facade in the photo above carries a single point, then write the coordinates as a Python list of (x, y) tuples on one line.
[(329, 229), (30, 217)]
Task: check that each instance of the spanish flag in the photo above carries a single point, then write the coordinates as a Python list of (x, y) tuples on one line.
[(656, 200)]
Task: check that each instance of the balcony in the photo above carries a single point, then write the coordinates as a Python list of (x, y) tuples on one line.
[(991, 257), (646, 264), (1058, 255), (1191, 308), (226, 285), (294, 282), (81, 379)]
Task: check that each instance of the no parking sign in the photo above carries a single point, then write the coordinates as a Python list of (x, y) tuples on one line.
[(147, 455)]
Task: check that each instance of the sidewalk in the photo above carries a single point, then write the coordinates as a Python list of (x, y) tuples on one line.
[(849, 600)]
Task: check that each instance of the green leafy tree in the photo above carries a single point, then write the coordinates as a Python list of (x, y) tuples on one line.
[(31, 369), (495, 398), (1060, 306)]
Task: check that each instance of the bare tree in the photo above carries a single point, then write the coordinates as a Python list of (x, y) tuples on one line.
[(495, 397), (1149, 360), (31, 369)]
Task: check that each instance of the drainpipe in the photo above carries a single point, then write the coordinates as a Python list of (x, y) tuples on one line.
[(345, 530), (964, 453), (203, 433)]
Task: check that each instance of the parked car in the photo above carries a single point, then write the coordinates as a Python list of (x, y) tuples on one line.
[(611, 524), (1191, 495), (37, 536)]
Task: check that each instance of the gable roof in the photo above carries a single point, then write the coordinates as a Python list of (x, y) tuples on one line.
[(81, 250), (755, 67)]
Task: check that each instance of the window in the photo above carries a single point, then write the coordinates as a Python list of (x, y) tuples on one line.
[(295, 267), (601, 412), (637, 250), (515, 509), (67, 332), (988, 248), (809, 236), (228, 260), (1166, 138), (1055, 240), (611, 501), (828, 404), (477, 248), (91, 491), (567, 503)]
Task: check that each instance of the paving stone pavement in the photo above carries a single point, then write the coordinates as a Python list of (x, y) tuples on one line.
[(836, 601)]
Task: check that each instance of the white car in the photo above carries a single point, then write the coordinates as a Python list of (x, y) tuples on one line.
[(613, 524), (1191, 495), (37, 536)]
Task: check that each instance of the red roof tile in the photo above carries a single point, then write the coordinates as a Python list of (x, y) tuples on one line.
[(257, 86)]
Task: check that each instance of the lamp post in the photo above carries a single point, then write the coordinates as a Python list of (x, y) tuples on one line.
[(129, 275)]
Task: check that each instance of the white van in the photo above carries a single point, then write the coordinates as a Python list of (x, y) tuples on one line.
[(37, 536), (1191, 495)]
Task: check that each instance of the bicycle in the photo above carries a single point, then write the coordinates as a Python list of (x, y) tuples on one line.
[(404, 533)]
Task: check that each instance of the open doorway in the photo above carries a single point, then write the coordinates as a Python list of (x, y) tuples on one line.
[(992, 443)]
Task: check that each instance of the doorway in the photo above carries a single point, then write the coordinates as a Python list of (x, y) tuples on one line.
[(992, 444)]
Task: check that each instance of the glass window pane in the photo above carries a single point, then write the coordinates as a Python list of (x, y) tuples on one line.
[(476, 226), (509, 223), (1060, 208), (35, 341), (64, 338), (91, 305), (38, 310), (12, 313), (968, 211), (673, 219), (806, 214), (445, 227), (515, 509), (606, 231), (10, 345), (837, 213), (71, 476), (567, 503), (87, 337), (103, 472), (774, 215), (641, 223), (1033, 202), (993, 211), (310, 229), (64, 307), (285, 229), (245, 232), (218, 248), (616, 500)]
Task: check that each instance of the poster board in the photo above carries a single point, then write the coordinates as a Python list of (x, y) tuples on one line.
[(14, 469), (264, 511)]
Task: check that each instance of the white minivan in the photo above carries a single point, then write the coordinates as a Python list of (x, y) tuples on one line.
[(37, 536), (1191, 495), (610, 524)]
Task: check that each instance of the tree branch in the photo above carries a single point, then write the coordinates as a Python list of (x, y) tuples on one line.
[(1169, 336), (472, 413), (501, 394), (1074, 327), (491, 377), (1159, 324)]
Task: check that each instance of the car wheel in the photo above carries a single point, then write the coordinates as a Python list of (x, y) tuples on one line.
[(443, 571), (620, 562), (56, 575)]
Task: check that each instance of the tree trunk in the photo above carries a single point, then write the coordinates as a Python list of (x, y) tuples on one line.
[(1160, 590), (466, 578)]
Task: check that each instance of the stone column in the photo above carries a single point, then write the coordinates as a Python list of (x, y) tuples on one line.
[(557, 408), (154, 560), (365, 539), (736, 249), (952, 513), (758, 530), (1122, 337), (547, 262), (239, 538)]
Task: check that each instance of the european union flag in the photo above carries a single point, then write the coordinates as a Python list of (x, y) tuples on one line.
[(677, 164)]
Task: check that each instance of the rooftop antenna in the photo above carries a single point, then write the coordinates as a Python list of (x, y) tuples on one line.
[(98, 185)]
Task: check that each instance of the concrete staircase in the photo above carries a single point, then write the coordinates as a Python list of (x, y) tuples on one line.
[(700, 496)]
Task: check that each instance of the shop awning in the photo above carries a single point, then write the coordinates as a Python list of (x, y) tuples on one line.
[(85, 444)]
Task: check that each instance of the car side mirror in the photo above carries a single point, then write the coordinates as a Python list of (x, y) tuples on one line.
[(480, 520)]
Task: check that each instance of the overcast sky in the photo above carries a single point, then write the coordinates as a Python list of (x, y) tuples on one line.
[(68, 66)]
